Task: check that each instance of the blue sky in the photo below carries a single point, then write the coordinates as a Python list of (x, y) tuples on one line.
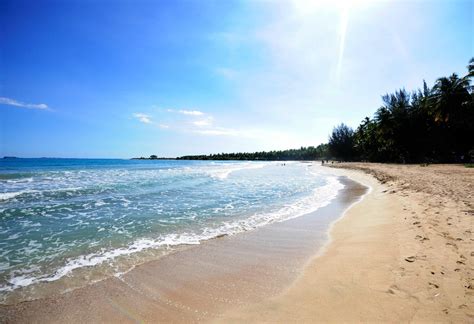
[(134, 78)]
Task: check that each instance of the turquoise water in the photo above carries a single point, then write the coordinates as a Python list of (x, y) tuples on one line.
[(61, 215)]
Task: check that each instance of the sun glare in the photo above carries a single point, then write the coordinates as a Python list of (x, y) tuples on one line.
[(310, 6)]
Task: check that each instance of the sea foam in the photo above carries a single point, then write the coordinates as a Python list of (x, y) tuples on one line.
[(95, 215)]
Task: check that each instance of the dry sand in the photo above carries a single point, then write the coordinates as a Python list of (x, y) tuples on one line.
[(404, 254)]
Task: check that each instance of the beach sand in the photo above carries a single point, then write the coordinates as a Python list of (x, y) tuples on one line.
[(198, 283), (404, 254)]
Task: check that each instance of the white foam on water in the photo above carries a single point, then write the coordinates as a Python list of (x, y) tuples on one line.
[(23, 180), (320, 197), (224, 170), (99, 203), (10, 195)]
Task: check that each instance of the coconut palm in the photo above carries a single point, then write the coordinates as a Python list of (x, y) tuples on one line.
[(450, 94), (470, 67)]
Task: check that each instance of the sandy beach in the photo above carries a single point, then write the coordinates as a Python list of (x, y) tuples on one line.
[(196, 283), (188, 161), (404, 253)]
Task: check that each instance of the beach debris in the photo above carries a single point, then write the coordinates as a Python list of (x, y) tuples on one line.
[(410, 259)]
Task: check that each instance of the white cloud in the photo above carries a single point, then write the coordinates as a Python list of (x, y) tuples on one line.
[(186, 112), (163, 126), (13, 102), (203, 122), (144, 118), (191, 112)]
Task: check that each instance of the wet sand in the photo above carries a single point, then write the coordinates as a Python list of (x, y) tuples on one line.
[(199, 283), (403, 254)]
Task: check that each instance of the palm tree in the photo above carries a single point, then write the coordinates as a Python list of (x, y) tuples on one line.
[(449, 96), (470, 68)]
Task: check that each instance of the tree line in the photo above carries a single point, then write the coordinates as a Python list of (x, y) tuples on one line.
[(301, 154), (430, 124)]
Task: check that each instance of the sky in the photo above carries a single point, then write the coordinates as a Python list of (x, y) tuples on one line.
[(121, 79)]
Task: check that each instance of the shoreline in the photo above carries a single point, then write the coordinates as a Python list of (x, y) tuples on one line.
[(94, 267), (269, 258), (392, 259), (402, 252)]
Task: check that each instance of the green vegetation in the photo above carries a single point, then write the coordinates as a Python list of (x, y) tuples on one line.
[(341, 143), (153, 157), (427, 125), (304, 153)]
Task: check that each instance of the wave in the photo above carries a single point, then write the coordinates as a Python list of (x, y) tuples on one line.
[(223, 172), (13, 194), (10, 195), (319, 198)]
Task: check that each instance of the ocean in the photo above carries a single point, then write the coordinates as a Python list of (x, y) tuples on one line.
[(61, 218)]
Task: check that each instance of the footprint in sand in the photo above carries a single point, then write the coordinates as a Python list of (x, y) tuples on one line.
[(394, 290), (410, 259), (433, 284), (452, 244)]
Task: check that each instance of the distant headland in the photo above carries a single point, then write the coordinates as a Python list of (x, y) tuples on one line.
[(153, 157)]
